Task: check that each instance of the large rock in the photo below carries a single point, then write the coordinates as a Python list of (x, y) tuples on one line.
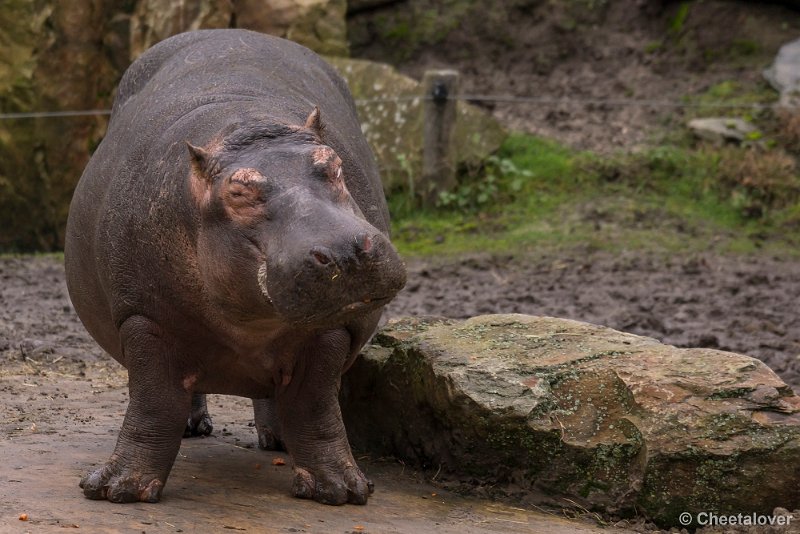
[(317, 24), (51, 59), (390, 108), (155, 20), (570, 412)]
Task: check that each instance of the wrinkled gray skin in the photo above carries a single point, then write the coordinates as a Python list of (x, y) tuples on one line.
[(229, 236)]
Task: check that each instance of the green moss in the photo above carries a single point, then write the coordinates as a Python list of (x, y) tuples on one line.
[(735, 393)]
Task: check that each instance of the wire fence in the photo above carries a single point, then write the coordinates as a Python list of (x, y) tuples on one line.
[(47, 114), (499, 99)]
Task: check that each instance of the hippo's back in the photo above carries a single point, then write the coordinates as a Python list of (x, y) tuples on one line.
[(132, 228)]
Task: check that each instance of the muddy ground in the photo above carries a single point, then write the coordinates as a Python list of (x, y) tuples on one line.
[(594, 75), (62, 399)]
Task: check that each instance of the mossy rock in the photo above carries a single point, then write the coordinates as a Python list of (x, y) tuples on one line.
[(52, 63), (390, 106), (564, 411)]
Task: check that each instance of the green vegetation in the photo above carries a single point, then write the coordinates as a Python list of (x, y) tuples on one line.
[(537, 195), (678, 22), (733, 98)]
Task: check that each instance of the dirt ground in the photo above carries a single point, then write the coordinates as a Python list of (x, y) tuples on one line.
[(582, 72), (62, 400)]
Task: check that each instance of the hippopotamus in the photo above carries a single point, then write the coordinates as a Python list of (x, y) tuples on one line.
[(230, 235)]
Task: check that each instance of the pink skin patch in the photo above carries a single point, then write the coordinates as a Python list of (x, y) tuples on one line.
[(322, 154), (326, 158), (247, 176), (242, 197), (189, 382)]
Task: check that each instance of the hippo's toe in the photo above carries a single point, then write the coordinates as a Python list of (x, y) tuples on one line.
[(350, 486), (199, 422), (121, 486), (269, 440), (200, 426)]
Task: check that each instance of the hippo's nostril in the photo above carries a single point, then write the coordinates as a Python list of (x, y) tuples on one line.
[(363, 243), (321, 255)]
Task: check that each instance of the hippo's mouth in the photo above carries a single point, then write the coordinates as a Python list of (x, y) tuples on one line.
[(365, 305), (349, 311)]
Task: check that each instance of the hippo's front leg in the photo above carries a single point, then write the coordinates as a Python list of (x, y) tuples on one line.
[(160, 398), (308, 408)]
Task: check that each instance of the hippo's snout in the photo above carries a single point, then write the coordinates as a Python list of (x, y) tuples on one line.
[(349, 275), (359, 248)]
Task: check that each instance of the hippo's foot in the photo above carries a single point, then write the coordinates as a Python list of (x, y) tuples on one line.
[(268, 440), (348, 486), (201, 427), (120, 484), (199, 422), (267, 425)]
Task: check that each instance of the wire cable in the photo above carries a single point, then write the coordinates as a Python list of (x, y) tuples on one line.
[(504, 99)]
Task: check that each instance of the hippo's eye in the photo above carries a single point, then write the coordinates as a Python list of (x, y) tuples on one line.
[(245, 200), (247, 192), (332, 170)]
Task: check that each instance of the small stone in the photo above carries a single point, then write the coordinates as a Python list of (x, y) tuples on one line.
[(722, 130)]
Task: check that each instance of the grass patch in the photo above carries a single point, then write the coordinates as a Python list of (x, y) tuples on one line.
[(538, 195)]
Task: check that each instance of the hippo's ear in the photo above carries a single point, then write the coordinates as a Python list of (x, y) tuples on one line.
[(313, 121), (201, 178), (201, 160)]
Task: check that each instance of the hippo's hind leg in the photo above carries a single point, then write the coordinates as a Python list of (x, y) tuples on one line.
[(199, 423), (268, 425), (160, 398), (311, 421)]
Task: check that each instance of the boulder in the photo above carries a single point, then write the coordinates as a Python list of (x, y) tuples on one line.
[(155, 20), (51, 60), (566, 413), (390, 109), (784, 73), (721, 130), (317, 24)]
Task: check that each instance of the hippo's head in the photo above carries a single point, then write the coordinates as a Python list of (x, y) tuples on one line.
[(281, 233)]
